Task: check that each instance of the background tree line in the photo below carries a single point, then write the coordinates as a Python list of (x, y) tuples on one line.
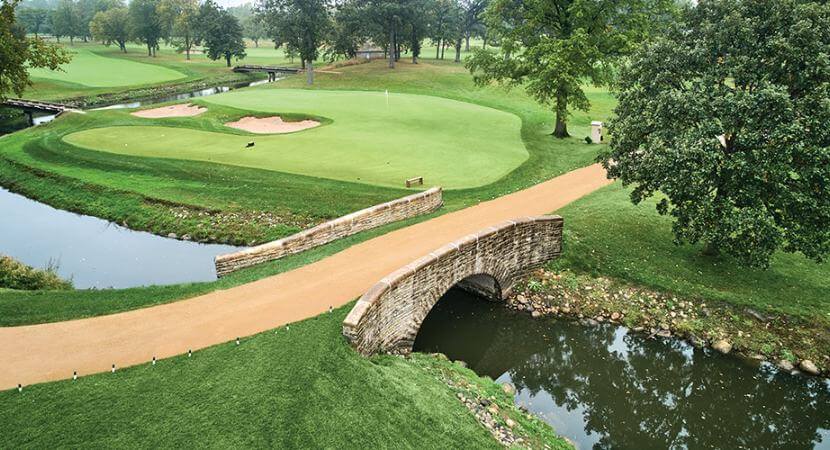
[(180, 23)]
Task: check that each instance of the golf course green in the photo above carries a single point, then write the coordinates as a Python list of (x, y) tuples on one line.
[(372, 138), (91, 69)]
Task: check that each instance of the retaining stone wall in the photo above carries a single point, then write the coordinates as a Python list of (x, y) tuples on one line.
[(365, 219), (388, 316)]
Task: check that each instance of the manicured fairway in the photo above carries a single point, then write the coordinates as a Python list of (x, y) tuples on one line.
[(90, 69), (372, 139)]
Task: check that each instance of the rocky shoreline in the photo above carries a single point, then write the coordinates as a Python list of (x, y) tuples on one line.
[(793, 345), (492, 406)]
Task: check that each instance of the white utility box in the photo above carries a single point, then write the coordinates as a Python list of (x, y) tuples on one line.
[(596, 132)]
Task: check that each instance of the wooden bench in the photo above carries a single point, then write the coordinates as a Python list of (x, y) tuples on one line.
[(417, 181)]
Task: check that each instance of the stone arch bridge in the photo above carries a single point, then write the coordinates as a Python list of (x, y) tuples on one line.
[(388, 316)]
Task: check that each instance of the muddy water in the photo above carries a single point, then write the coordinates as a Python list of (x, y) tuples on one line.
[(607, 388)]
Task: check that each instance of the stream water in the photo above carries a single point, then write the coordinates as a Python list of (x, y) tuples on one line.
[(184, 96), (95, 253), (607, 388)]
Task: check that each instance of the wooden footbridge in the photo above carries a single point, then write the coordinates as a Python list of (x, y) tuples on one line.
[(272, 71), (32, 106)]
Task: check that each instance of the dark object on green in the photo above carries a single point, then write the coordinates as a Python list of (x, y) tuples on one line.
[(250, 144), (588, 140)]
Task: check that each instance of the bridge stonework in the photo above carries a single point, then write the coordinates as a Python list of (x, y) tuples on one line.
[(387, 318)]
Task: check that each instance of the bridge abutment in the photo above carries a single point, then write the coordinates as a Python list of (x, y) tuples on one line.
[(387, 318)]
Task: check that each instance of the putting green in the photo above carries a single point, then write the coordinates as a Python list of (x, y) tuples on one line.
[(90, 69), (372, 139)]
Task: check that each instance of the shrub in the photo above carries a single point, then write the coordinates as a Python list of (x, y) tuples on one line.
[(16, 275)]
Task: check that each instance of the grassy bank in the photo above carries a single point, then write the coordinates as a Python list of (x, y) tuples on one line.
[(620, 258), (297, 387), (606, 235)]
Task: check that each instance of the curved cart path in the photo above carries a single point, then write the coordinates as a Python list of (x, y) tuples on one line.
[(37, 353)]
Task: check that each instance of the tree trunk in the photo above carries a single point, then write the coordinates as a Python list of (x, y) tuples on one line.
[(149, 50), (228, 58), (711, 249), (256, 43), (484, 41), (438, 49), (309, 73), (391, 47), (443, 47), (561, 130), (467, 46), (458, 49)]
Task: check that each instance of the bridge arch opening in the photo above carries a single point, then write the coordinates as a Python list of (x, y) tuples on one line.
[(446, 326), (481, 284)]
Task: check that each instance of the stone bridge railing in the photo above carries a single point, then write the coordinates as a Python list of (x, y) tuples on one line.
[(387, 317), (399, 209)]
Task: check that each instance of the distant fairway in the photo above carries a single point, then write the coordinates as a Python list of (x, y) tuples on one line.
[(90, 69), (450, 143)]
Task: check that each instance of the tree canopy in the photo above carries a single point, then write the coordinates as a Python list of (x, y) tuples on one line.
[(551, 47), (301, 25), (146, 26), (18, 53), (727, 117), (221, 33), (112, 26)]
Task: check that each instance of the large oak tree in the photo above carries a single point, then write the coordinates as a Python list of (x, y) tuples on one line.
[(727, 117)]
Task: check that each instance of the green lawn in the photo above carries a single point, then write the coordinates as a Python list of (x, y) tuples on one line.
[(301, 387), (90, 80), (372, 138), (226, 203), (91, 69), (606, 235)]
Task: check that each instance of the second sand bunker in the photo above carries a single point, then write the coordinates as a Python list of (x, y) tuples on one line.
[(271, 125)]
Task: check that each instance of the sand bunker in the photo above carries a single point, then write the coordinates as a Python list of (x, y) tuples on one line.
[(171, 111), (268, 125)]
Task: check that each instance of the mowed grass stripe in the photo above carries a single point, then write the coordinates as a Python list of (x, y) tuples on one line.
[(373, 138), (93, 70)]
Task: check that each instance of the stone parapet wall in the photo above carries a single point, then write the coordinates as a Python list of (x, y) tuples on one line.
[(387, 317), (365, 219)]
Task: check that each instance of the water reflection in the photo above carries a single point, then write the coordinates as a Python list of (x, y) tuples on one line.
[(96, 253), (605, 388)]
